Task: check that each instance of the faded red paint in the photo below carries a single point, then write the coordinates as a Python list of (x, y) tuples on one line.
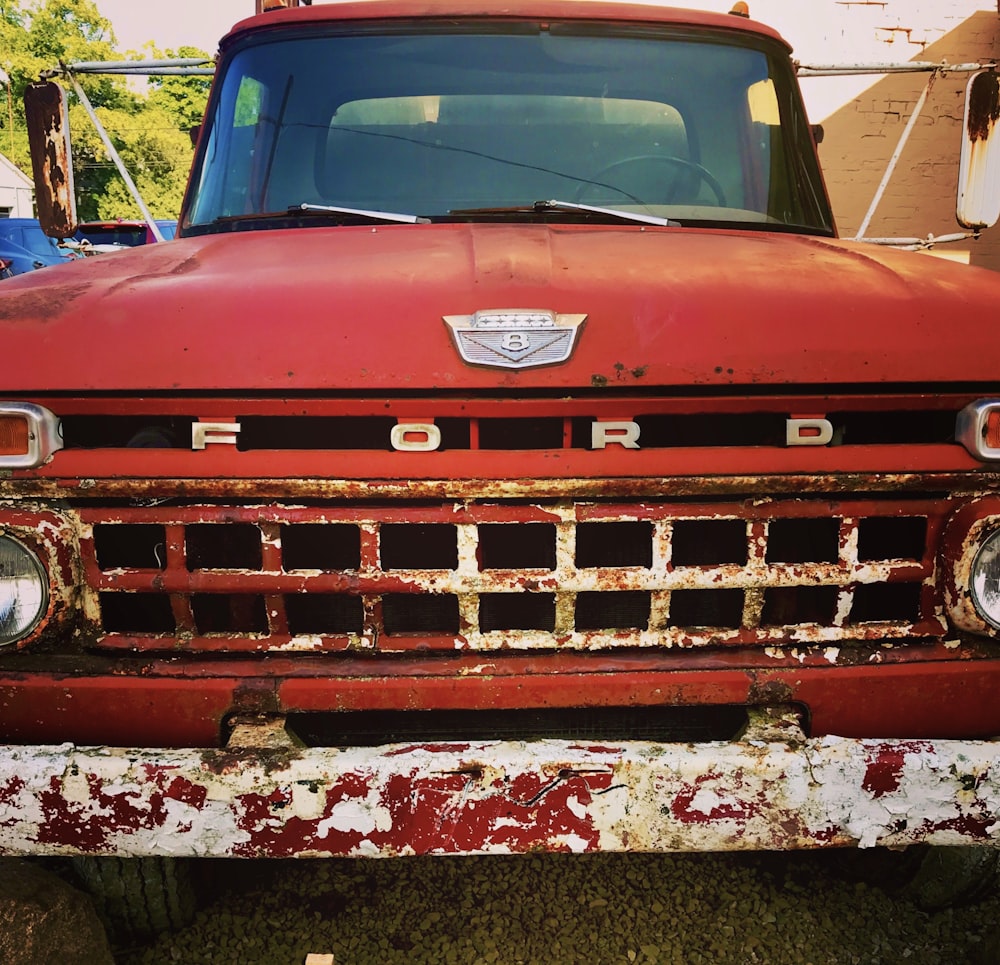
[(884, 771)]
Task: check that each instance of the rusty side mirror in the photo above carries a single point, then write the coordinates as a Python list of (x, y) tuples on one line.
[(51, 160), (978, 204)]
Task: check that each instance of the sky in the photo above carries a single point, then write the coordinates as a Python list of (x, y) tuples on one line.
[(173, 23)]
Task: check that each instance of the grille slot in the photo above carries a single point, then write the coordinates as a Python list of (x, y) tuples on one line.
[(614, 544), (413, 547), (141, 546), (321, 546), (228, 546), (517, 611), (514, 576), (426, 613), (532, 546)]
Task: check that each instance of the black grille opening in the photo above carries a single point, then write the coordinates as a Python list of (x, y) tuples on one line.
[(517, 611), (324, 613), (130, 545), (803, 540), (139, 613), (511, 547), (627, 610), (755, 429), (516, 434), (229, 613), (315, 432), (706, 542), (614, 544), (423, 613), (721, 609), (894, 428), (896, 602), (223, 546), (892, 538), (799, 604), (371, 728), (320, 546), (119, 432), (406, 546)]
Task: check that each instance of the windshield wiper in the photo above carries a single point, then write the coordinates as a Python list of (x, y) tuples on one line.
[(390, 216), (297, 210), (542, 206)]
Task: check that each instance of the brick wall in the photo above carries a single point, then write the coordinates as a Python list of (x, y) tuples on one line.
[(863, 118)]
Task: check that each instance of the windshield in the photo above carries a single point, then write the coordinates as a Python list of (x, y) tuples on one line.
[(443, 122)]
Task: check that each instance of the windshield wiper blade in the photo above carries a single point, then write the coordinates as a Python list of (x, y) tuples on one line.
[(390, 216), (554, 205)]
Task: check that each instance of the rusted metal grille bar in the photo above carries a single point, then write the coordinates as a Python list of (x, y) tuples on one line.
[(489, 577)]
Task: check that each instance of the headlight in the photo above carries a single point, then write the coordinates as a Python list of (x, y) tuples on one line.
[(24, 594), (984, 580)]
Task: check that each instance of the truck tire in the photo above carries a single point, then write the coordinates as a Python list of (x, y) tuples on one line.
[(139, 897), (932, 878)]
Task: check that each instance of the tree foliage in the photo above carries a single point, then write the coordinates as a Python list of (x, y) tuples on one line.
[(148, 125)]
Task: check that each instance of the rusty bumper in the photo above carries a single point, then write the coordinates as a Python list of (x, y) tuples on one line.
[(773, 789)]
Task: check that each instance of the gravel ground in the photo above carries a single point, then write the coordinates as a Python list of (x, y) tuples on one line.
[(556, 908)]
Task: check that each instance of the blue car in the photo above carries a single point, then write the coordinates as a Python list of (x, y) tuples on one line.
[(21, 260), (27, 234)]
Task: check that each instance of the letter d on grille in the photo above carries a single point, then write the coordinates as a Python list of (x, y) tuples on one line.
[(514, 338)]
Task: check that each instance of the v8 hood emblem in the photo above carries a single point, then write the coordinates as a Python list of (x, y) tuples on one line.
[(514, 338)]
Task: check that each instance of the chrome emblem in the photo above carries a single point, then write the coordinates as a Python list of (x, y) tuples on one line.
[(514, 338)]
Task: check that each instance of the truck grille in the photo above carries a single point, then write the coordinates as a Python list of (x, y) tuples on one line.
[(520, 576)]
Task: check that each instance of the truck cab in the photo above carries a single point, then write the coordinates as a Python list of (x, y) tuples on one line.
[(506, 455)]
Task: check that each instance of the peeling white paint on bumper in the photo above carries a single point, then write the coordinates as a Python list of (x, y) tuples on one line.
[(767, 791)]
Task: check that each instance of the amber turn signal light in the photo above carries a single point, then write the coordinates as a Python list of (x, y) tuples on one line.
[(29, 434), (978, 429), (14, 435)]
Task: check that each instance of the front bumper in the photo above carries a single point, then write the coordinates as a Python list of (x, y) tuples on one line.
[(262, 797)]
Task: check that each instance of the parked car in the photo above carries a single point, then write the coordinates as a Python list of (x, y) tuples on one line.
[(21, 260), (27, 234), (122, 234)]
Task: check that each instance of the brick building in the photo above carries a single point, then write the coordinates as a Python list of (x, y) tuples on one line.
[(863, 117)]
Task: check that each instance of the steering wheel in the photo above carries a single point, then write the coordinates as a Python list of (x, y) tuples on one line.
[(702, 173)]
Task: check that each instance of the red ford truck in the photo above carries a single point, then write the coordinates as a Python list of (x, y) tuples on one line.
[(507, 455)]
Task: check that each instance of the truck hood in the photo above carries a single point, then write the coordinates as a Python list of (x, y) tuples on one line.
[(362, 309)]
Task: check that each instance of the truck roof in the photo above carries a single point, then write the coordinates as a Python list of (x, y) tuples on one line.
[(519, 10)]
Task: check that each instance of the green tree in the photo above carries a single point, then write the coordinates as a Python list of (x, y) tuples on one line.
[(183, 98), (147, 125)]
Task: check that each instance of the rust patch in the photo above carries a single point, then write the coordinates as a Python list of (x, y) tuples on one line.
[(41, 304), (770, 692), (984, 105)]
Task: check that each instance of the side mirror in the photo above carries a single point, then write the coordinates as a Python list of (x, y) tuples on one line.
[(978, 203), (51, 160)]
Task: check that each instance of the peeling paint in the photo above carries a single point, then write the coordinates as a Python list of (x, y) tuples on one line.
[(501, 797)]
